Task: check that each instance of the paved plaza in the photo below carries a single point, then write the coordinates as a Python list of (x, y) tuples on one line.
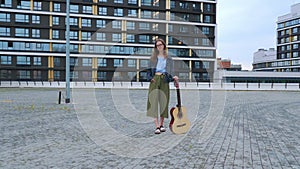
[(108, 128)]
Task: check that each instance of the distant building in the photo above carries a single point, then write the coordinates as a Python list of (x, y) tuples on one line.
[(256, 77), (225, 64), (263, 59), (286, 58)]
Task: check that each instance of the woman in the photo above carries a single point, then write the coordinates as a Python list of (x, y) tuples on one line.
[(159, 75)]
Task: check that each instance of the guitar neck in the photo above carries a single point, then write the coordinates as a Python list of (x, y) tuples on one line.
[(178, 94)]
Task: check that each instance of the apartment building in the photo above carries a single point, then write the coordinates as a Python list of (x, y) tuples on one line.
[(288, 45), (110, 40)]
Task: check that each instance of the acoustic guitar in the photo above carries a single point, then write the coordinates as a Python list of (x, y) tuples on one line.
[(179, 123)]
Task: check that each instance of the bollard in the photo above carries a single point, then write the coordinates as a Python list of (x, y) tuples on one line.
[(59, 97)]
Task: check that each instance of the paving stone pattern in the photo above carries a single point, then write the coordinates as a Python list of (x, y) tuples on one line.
[(257, 129)]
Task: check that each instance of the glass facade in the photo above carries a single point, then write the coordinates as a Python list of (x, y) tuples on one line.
[(110, 40)]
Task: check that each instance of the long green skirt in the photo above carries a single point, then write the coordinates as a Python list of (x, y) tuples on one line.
[(158, 98)]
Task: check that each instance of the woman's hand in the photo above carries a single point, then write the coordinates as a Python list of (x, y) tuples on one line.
[(152, 81), (175, 78)]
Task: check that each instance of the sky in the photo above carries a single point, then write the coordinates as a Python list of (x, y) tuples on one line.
[(244, 26)]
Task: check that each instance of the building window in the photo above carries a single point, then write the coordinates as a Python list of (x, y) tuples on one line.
[(205, 30), (144, 26), (183, 29), (184, 75), (132, 2), (37, 74), (207, 19), (73, 35), (184, 5), (144, 38), (102, 0), (118, 12), (116, 24), (23, 4), (86, 35), (146, 14), (56, 61), (118, 1), (87, 75), (74, 75), (131, 63), (101, 23), (205, 76), (102, 62), (73, 48), (170, 28), (4, 17), (55, 34), (295, 38), (132, 12), (205, 65), (287, 40), (207, 7), (116, 37), (22, 18), (86, 61), (118, 62), (147, 2), (102, 11), (36, 19), (73, 22), (196, 41), (73, 61), (56, 75), (172, 16), (295, 46), (197, 65), (144, 63), (102, 75), (23, 60), (87, 9), (35, 33), (37, 60), (74, 9), (56, 7), (173, 4), (6, 3), (86, 23), (23, 74), (205, 42), (55, 20), (37, 5), (130, 38), (130, 25), (22, 32), (5, 60), (5, 74), (295, 30), (4, 31), (101, 36), (155, 27)]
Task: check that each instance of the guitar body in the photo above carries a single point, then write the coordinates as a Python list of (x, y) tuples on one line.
[(179, 123)]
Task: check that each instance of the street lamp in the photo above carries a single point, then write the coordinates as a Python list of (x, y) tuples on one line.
[(68, 51)]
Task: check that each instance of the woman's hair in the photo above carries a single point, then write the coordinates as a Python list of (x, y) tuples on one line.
[(156, 52)]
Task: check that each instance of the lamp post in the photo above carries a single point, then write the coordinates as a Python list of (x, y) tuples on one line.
[(68, 51)]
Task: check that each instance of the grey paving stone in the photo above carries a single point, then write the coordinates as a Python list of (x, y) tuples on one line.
[(257, 129)]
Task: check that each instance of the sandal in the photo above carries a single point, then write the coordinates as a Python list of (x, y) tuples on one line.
[(162, 129), (157, 130)]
